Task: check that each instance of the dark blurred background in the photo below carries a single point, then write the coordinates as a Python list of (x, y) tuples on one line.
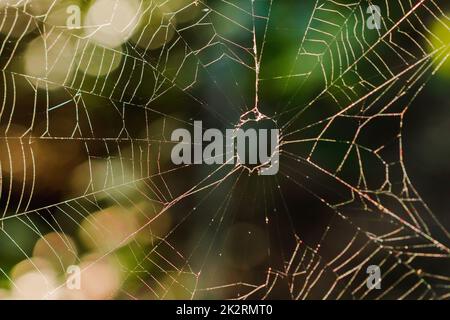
[(86, 177)]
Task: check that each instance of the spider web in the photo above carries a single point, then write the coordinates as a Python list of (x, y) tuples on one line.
[(85, 147)]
